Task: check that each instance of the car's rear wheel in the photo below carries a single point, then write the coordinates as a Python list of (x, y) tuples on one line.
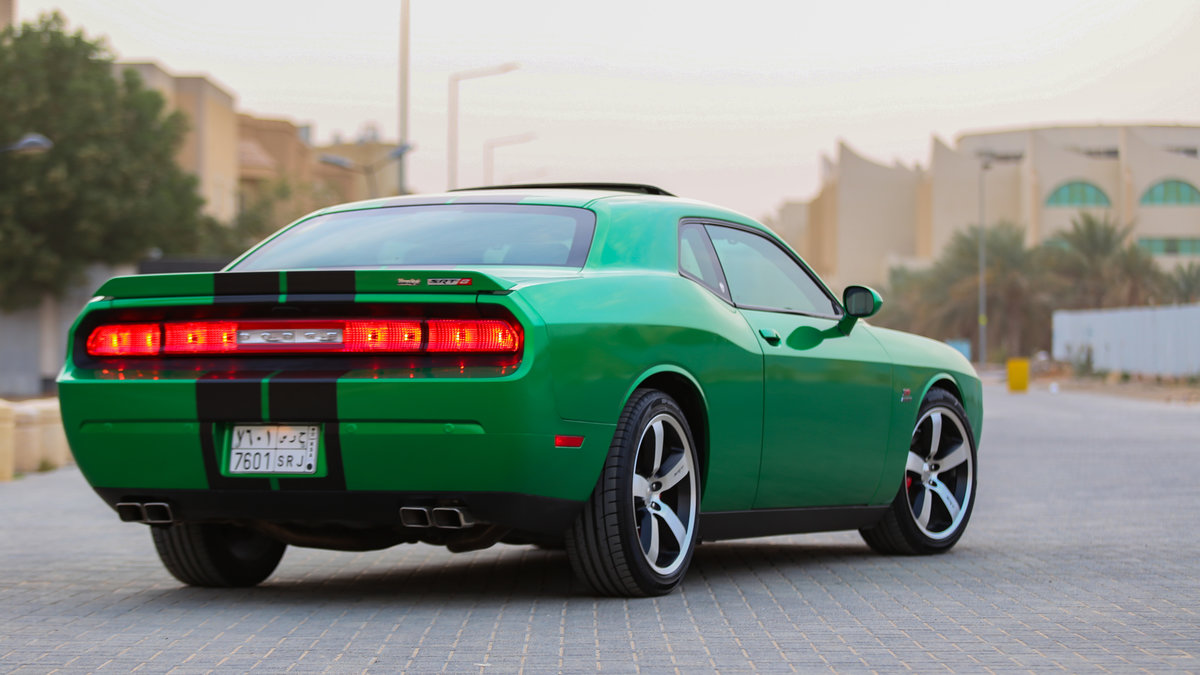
[(937, 493), (216, 555), (637, 533)]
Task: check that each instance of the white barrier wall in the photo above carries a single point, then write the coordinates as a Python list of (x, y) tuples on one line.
[(31, 438), (1138, 340)]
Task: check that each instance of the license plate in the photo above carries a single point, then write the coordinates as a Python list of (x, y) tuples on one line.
[(274, 448)]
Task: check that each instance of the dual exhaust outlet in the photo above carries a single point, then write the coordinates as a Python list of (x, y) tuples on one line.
[(151, 513), (445, 517)]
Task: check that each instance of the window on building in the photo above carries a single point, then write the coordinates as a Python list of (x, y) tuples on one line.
[(1078, 193), (1170, 245), (1171, 192)]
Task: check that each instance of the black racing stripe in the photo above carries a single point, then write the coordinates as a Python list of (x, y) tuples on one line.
[(227, 397), (310, 396), (303, 396), (246, 283), (332, 281)]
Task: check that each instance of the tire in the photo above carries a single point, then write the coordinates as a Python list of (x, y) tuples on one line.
[(216, 555), (636, 535), (935, 499)]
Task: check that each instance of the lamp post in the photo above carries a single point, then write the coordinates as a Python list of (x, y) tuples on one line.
[(489, 152), (452, 115), (402, 182), (985, 163), (368, 170), (30, 144)]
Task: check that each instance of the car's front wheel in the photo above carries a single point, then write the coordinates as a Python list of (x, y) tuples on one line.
[(216, 555), (637, 533), (937, 494)]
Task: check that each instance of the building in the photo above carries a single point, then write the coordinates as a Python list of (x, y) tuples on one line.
[(276, 163), (868, 217), (210, 148)]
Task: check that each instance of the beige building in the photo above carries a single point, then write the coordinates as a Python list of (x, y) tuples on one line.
[(210, 147), (274, 154), (869, 217)]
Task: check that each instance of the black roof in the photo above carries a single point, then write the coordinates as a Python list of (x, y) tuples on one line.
[(638, 188)]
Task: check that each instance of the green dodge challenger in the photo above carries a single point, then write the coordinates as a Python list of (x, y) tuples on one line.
[(604, 368)]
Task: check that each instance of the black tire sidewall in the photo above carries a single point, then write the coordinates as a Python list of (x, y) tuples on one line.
[(645, 409), (922, 543)]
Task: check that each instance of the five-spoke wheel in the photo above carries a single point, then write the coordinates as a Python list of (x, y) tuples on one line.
[(931, 510), (638, 531)]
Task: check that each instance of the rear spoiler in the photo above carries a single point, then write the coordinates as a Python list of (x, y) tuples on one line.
[(194, 284)]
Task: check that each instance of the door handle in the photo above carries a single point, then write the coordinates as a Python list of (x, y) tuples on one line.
[(770, 335)]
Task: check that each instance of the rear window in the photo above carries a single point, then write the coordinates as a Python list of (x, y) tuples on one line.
[(432, 236)]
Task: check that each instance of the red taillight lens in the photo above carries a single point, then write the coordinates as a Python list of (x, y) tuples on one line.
[(201, 337), (269, 337), (128, 339), (486, 335), (381, 336)]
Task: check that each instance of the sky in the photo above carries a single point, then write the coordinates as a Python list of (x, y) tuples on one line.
[(730, 103)]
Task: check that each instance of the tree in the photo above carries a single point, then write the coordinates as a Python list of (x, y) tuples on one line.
[(943, 301), (1092, 266), (109, 190), (1184, 283)]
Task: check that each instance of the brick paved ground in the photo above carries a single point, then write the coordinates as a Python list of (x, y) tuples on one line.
[(1084, 555)]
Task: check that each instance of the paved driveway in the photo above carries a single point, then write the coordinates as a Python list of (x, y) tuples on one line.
[(1084, 554)]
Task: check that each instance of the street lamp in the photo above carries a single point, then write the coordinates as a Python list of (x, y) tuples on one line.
[(30, 144), (489, 152), (452, 115), (368, 170), (985, 162)]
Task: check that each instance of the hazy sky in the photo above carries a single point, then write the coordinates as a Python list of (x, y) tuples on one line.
[(727, 102)]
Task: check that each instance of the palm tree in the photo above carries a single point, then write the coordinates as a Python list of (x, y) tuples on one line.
[(1083, 260), (943, 301), (1137, 279), (1184, 283)]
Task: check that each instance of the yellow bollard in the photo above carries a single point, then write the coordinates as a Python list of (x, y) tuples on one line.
[(1018, 375), (7, 458)]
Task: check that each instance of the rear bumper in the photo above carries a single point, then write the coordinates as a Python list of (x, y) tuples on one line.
[(360, 510)]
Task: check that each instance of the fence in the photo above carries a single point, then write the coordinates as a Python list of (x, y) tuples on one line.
[(1137, 340)]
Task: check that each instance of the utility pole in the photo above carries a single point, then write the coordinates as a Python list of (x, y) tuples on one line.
[(402, 187)]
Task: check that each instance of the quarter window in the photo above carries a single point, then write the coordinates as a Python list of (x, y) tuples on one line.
[(762, 275), (698, 261)]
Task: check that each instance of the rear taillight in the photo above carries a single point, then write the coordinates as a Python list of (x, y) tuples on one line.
[(454, 335), (126, 339), (324, 336), (200, 337), (382, 336)]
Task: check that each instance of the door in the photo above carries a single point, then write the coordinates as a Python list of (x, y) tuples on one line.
[(826, 395)]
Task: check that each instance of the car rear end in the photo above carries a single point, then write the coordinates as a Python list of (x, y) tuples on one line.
[(337, 407)]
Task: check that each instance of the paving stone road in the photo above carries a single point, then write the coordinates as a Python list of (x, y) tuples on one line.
[(1083, 555)]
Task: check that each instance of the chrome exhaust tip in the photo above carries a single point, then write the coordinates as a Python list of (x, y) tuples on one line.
[(452, 517), (158, 513), (415, 516), (131, 512)]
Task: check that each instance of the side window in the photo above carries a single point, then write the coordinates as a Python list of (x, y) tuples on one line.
[(698, 260), (762, 275)]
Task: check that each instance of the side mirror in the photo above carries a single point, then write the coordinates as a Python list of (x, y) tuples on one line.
[(860, 302)]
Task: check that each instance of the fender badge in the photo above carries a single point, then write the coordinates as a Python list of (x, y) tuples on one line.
[(408, 282), (905, 395)]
